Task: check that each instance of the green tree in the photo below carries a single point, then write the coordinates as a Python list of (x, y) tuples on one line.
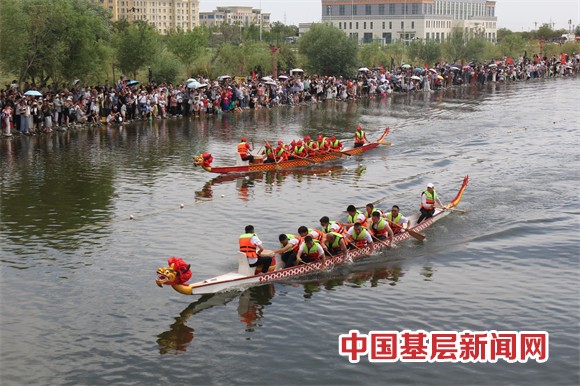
[(577, 31), (165, 67), (328, 50), (431, 52), (136, 47), (513, 45), (455, 45), (373, 55), (55, 40), (187, 46)]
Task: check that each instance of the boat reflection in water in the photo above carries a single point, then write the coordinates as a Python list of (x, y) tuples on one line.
[(246, 182), (253, 302)]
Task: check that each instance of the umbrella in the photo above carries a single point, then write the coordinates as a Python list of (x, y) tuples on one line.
[(224, 77), (492, 65), (194, 84), (454, 68), (296, 70), (189, 80), (202, 85), (440, 77), (271, 83), (132, 82), (33, 93), (415, 77), (405, 66), (464, 67), (282, 76), (418, 70), (363, 69), (267, 79), (433, 70)]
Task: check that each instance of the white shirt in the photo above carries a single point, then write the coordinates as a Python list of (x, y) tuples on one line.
[(424, 201), (368, 237), (256, 241)]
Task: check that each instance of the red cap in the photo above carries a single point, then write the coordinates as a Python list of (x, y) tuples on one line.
[(299, 143), (307, 138), (244, 139), (359, 128), (280, 142), (293, 142), (319, 136), (333, 138)]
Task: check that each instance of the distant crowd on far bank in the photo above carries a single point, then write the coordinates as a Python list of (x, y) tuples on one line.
[(28, 110)]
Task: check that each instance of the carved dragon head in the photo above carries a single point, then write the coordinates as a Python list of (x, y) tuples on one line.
[(177, 272)]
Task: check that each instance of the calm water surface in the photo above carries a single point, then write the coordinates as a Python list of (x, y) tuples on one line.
[(79, 305)]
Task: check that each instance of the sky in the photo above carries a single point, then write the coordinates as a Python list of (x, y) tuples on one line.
[(516, 15)]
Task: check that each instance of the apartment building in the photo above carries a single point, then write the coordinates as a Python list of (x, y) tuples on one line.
[(242, 16), (165, 15), (392, 20)]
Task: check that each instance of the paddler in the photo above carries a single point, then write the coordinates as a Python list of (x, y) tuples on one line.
[(335, 243), (289, 245), (323, 144), (310, 146), (335, 144), (360, 137), (354, 216), (370, 209), (331, 226), (251, 245), (397, 221), (310, 251), (268, 153), (358, 236), (379, 227), (428, 201), (244, 150), (281, 152), (299, 151)]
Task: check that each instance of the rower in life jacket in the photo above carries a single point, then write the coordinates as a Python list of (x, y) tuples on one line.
[(244, 150), (331, 226), (379, 227), (310, 251), (289, 245), (251, 245), (335, 243), (370, 209), (354, 216), (323, 144), (281, 152), (299, 151), (397, 221), (360, 137), (358, 236), (310, 146), (269, 153), (335, 144), (428, 201)]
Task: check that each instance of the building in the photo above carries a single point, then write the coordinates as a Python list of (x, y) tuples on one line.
[(242, 16), (393, 20), (165, 15)]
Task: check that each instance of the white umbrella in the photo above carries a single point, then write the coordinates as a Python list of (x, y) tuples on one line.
[(189, 80), (454, 68), (202, 85), (363, 69), (271, 83), (194, 84), (296, 70), (33, 93), (433, 70), (221, 78), (415, 77), (282, 76), (267, 79), (492, 65)]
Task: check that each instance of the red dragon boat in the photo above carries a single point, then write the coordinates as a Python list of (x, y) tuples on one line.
[(177, 273), (259, 165)]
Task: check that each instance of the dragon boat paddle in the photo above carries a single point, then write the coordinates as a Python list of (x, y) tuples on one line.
[(415, 234)]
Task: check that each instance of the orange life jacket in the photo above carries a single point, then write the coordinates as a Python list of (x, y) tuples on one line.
[(246, 245), (243, 149)]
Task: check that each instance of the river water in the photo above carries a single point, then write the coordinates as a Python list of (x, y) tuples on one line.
[(79, 305)]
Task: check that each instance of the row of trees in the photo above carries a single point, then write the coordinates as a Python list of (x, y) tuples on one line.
[(56, 41)]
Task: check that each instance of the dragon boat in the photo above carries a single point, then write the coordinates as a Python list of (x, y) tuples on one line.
[(177, 273), (259, 165)]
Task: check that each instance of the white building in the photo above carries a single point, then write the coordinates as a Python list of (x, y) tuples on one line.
[(242, 16), (391, 20)]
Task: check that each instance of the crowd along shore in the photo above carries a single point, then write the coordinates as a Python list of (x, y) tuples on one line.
[(28, 110)]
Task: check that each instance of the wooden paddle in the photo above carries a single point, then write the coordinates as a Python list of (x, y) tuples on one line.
[(413, 233), (304, 158), (382, 242)]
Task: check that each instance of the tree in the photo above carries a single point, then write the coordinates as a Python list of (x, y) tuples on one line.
[(430, 52), (455, 45), (187, 46), (513, 45), (373, 55), (328, 50), (53, 39), (577, 31), (503, 33), (136, 47)]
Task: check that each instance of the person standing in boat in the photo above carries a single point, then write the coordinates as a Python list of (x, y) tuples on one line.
[(310, 251), (360, 137), (289, 248), (379, 227), (397, 221), (358, 236), (251, 245), (355, 216), (244, 150), (429, 200)]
